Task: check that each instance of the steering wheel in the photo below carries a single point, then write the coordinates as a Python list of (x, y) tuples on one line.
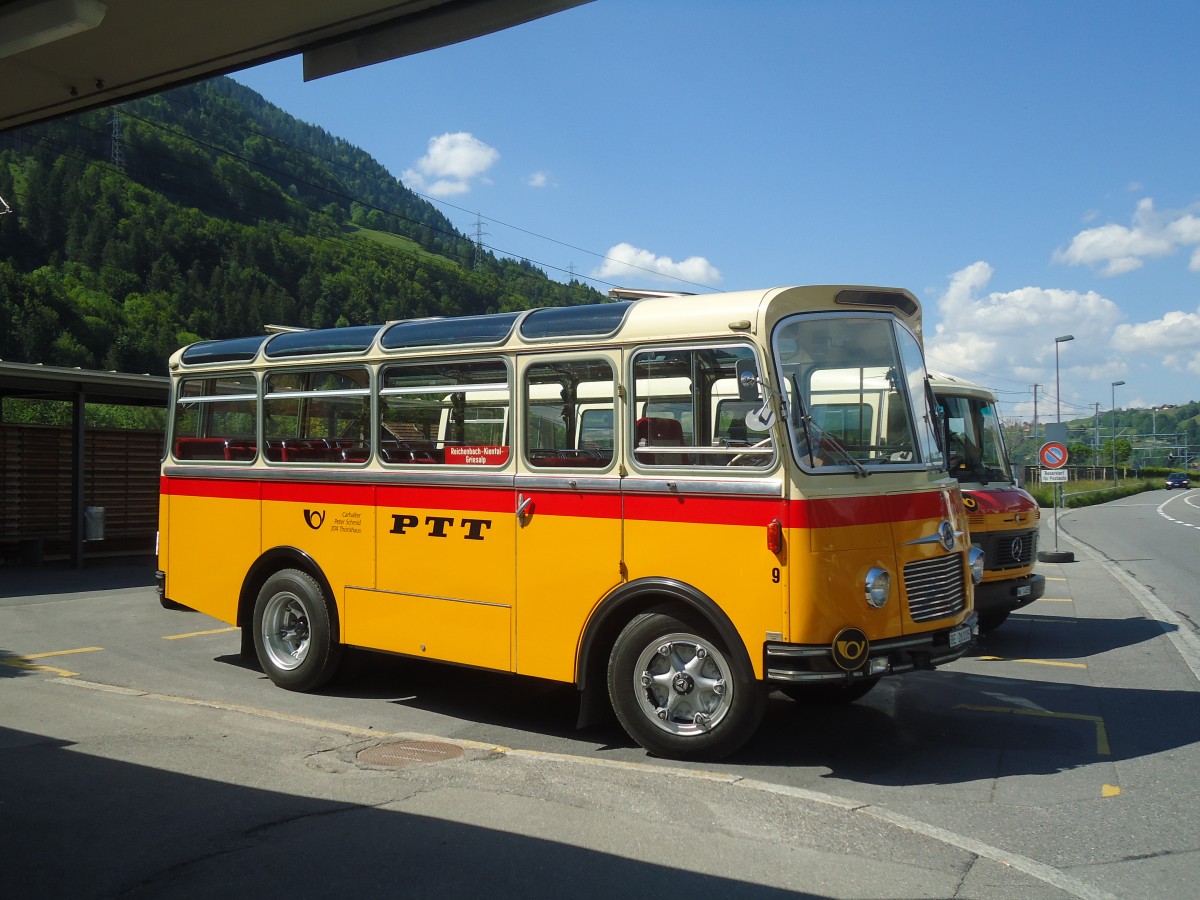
[(750, 459)]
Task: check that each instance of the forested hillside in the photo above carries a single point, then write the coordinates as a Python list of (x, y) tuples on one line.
[(206, 212)]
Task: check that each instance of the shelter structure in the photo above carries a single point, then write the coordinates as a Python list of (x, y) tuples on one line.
[(63, 56), (49, 474)]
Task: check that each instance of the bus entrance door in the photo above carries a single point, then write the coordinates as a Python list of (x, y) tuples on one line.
[(568, 506)]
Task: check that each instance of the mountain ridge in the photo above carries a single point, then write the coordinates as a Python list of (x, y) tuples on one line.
[(208, 212)]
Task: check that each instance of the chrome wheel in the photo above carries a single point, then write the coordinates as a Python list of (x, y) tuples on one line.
[(682, 684), (681, 693), (285, 631)]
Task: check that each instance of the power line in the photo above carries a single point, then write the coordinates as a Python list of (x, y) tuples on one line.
[(427, 198)]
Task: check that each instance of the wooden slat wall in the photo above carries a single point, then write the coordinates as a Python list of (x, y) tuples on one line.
[(120, 474)]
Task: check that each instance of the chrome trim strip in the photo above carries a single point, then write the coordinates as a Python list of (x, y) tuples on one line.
[(804, 677), (689, 450), (932, 539), (796, 652), (559, 482), (370, 590), (357, 475), (757, 487)]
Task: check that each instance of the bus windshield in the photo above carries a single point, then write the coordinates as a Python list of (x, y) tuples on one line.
[(857, 394), (976, 444)]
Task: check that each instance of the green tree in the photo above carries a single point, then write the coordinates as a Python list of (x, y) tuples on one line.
[(1080, 453), (1124, 452)]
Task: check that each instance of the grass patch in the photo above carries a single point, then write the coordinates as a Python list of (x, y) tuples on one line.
[(397, 242), (1089, 493)]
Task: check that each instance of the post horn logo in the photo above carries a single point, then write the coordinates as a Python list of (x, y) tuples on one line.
[(851, 649), (314, 518)]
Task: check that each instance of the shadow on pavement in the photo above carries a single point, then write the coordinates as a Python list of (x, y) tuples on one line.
[(105, 574), (942, 727), (1030, 634), (77, 825)]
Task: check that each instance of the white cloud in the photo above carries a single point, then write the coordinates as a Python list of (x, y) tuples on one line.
[(538, 180), (1116, 249), (1174, 339), (451, 163), (1010, 334), (632, 264)]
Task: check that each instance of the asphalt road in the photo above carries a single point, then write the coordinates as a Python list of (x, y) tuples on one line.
[(140, 757)]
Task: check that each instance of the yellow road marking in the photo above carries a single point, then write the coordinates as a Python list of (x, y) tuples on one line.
[(1054, 578), (23, 661), (1110, 790), (1056, 600), (59, 653), (1102, 746), (1034, 662), (178, 637), (34, 667)]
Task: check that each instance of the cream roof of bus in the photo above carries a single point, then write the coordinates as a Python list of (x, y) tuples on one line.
[(952, 385), (647, 319)]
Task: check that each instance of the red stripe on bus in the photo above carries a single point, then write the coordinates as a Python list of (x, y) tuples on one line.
[(495, 500), (842, 511), (211, 487), (569, 504), (311, 492), (834, 512), (703, 510)]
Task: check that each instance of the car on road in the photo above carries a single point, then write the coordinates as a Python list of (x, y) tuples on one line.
[(1178, 480)]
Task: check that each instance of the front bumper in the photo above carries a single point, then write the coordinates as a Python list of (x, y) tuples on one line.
[(1005, 596), (814, 663)]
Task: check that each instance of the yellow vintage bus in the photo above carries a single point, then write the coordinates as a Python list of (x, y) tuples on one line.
[(634, 497), (1002, 516)]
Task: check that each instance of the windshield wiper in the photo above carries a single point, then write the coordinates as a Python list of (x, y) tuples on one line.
[(824, 441), (827, 442)]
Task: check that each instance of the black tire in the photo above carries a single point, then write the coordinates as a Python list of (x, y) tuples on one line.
[(830, 694), (292, 633), (679, 692)]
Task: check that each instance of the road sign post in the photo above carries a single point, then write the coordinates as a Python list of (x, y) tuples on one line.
[(1053, 456)]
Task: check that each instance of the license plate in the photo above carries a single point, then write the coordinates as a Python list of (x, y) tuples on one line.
[(1024, 591), (960, 636)]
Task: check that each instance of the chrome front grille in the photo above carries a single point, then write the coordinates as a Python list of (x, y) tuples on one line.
[(1009, 549), (935, 587)]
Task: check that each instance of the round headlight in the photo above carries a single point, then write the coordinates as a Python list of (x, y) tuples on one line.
[(976, 561), (879, 586)]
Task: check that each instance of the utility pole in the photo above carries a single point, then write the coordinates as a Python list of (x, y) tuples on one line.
[(1035, 433)]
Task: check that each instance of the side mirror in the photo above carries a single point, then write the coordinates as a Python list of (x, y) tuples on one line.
[(747, 379)]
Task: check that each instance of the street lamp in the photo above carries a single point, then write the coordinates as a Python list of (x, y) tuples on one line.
[(1114, 417), (1057, 387)]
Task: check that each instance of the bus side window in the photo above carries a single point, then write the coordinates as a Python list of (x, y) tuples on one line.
[(317, 416), (215, 419), (568, 414), (689, 411), (445, 413)]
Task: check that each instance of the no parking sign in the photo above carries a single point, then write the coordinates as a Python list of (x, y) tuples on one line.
[(1053, 455)]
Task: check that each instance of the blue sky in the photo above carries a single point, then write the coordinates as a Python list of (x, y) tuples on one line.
[(1028, 169)]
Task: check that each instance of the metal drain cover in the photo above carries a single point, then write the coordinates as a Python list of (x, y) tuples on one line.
[(408, 753)]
